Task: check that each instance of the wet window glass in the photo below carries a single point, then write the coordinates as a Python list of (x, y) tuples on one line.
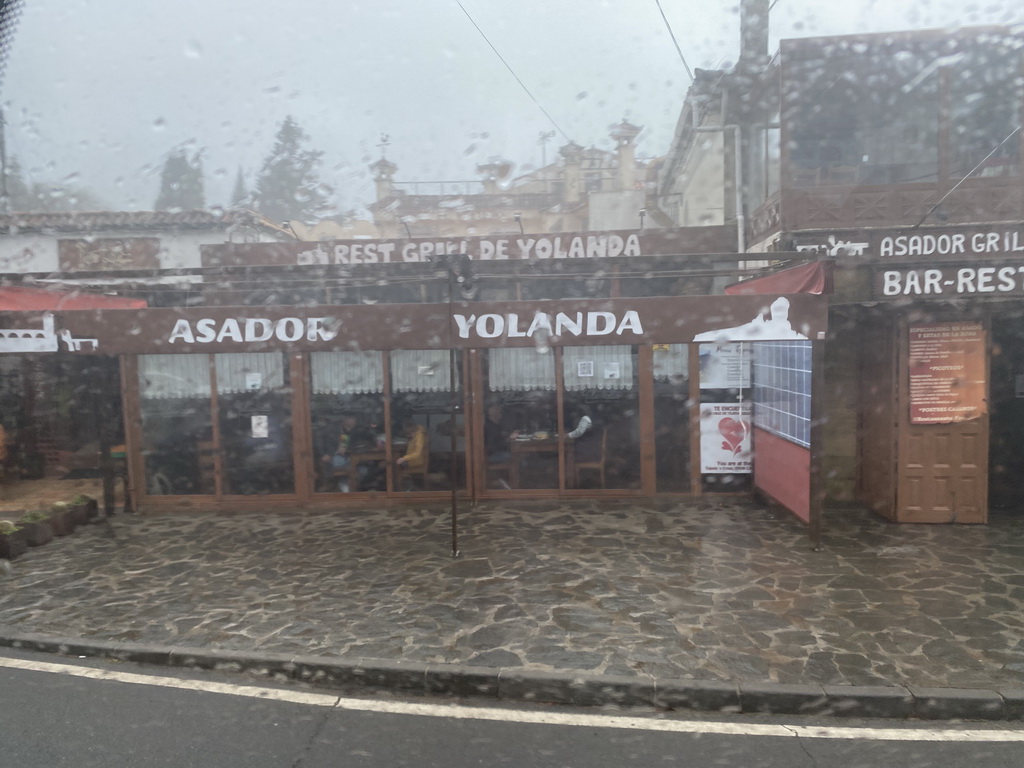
[(177, 427), (985, 94), (422, 425), (347, 410), (254, 406), (520, 424), (602, 425), (672, 432)]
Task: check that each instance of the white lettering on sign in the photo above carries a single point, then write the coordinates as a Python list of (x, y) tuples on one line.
[(962, 281), (952, 244), (253, 329), (494, 249), (492, 326)]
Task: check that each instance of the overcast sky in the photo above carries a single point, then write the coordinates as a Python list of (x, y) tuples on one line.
[(97, 92)]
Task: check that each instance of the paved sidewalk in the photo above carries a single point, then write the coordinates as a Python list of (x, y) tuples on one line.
[(653, 594)]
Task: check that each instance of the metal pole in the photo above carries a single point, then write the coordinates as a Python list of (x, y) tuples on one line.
[(453, 468), (5, 199)]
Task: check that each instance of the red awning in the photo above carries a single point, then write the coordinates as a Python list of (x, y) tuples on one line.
[(18, 298), (815, 277)]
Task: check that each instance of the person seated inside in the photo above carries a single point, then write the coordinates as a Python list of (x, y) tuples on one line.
[(416, 451), (586, 441), (497, 436), (348, 438)]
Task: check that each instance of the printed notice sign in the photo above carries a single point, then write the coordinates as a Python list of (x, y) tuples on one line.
[(947, 373), (725, 366), (725, 438)]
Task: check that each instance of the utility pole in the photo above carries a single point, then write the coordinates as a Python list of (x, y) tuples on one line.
[(457, 266), (5, 197), (9, 12)]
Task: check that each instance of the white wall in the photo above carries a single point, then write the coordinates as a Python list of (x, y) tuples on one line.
[(699, 198), (38, 253), (616, 210), (28, 253)]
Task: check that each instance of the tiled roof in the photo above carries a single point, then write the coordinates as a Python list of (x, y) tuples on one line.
[(125, 220)]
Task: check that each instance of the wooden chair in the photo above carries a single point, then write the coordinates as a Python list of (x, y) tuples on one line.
[(597, 464), (336, 475), (422, 474), (499, 468)]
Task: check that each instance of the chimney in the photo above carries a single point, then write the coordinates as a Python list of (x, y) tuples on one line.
[(753, 33), (623, 135), (383, 173)]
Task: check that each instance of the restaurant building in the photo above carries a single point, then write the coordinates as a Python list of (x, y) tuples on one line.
[(579, 365), (896, 157)]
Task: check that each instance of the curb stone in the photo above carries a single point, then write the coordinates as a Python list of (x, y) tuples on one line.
[(565, 688)]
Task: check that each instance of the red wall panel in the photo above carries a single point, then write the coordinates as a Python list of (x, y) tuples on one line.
[(782, 470)]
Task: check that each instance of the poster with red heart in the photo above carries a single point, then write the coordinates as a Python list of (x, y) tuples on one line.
[(725, 438)]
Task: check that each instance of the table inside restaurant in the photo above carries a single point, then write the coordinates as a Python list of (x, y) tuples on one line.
[(521, 447)]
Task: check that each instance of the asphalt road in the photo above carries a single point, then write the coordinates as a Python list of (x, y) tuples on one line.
[(83, 713)]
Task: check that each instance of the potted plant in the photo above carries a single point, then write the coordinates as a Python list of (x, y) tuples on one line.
[(79, 510), (92, 506), (37, 528), (61, 520), (12, 540)]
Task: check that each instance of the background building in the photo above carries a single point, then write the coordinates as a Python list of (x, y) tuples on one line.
[(585, 189), (891, 154)]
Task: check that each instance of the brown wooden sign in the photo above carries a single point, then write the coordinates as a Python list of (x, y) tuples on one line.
[(947, 373), (421, 326), (943, 282), (564, 245), (927, 244), (111, 253)]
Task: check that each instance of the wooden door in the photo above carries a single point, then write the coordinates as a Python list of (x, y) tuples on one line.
[(942, 468)]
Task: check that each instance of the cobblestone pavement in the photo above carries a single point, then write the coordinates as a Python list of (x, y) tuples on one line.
[(729, 593)]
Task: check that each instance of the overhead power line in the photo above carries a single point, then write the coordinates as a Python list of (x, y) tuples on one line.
[(509, 68), (673, 36)]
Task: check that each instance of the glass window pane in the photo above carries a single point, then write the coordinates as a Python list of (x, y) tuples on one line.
[(520, 419), (601, 409), (672, 417), (177, 427), (255, 417), (347, 410), (421, 420)]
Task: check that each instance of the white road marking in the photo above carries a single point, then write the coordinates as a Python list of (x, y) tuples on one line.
[(456, 711)]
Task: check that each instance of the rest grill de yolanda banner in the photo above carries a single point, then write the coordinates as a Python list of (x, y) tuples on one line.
[(542, 247)]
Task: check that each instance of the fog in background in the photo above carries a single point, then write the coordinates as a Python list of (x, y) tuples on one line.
[(97, 93)]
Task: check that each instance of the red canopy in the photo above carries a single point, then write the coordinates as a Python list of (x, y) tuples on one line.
[(18, 298), (814, 277)]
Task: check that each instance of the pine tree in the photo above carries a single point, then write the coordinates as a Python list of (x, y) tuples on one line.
[(240, 197), (288, 187), (181, 182)]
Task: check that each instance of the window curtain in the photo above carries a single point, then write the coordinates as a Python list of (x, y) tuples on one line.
[(347, 373), (164, 377), (601, 367), (519, 369), (671, 362), (420, 370), (233, 371)]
